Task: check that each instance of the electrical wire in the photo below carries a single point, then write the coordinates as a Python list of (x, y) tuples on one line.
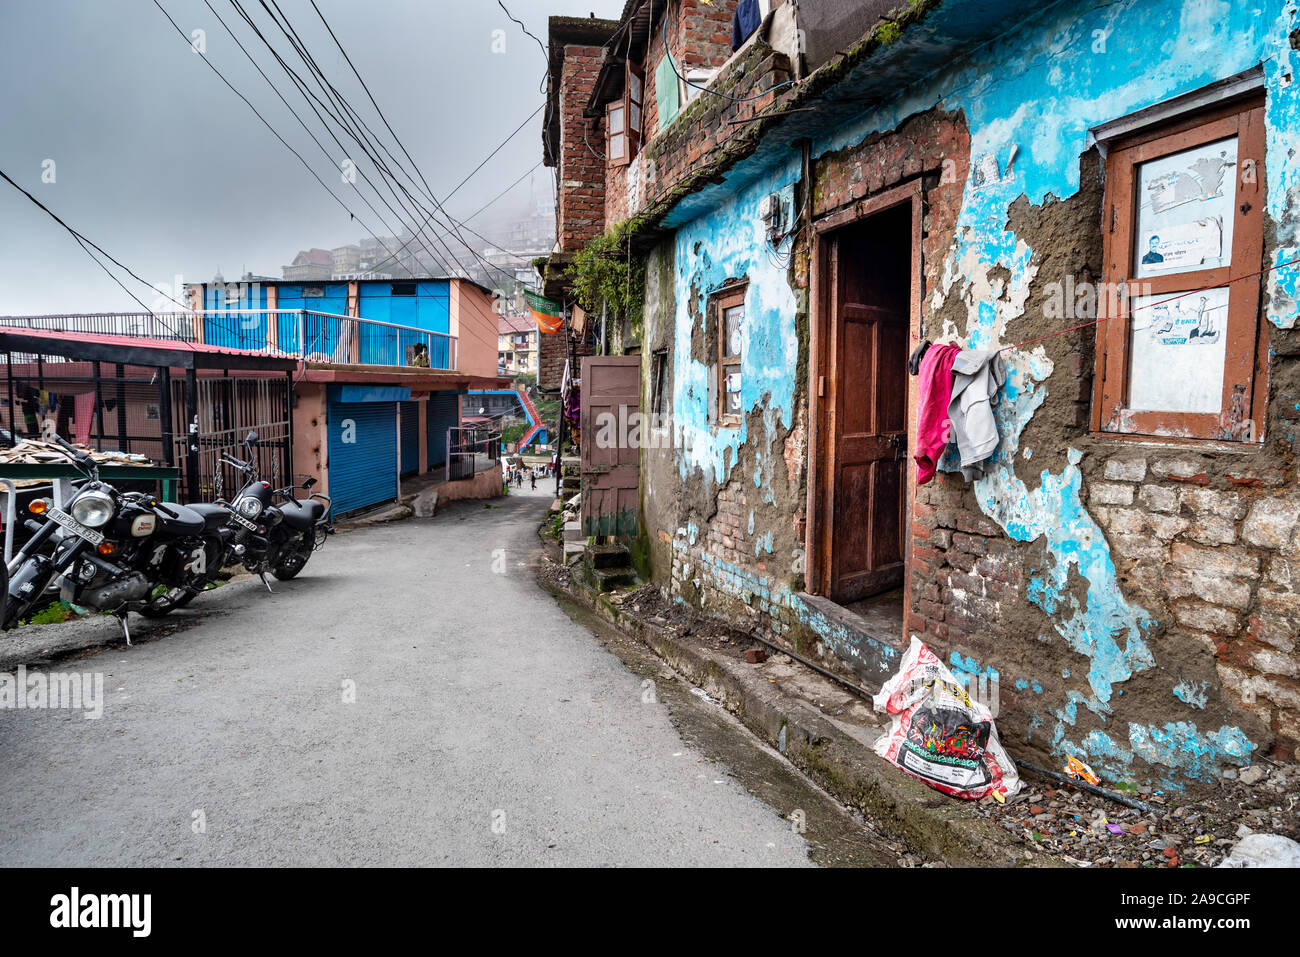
[(88, 244), (265, 122)]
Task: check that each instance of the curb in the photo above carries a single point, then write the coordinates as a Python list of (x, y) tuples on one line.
[(931, 825)]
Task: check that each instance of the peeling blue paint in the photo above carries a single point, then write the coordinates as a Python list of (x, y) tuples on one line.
[(1039, 96), (1181, 745), (1192, 694), (730, 242)]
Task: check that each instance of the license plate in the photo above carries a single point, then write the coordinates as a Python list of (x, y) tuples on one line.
[(251, 526), (60, 517)]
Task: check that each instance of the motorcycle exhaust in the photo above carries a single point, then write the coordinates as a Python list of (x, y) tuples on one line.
[(128, 588)]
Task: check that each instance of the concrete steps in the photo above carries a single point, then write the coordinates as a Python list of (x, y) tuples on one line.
[(606, 567)]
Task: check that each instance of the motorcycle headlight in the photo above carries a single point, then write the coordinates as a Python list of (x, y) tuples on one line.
[(93, 509), (249, 507)]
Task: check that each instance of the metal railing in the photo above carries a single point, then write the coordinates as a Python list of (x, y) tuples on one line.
[(470, 448), (297, 333)]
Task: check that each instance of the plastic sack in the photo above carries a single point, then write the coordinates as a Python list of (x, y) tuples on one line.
[(939, 734)]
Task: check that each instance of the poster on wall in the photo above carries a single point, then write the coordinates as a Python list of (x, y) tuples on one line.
[(1185, 210), (1178, 352), (1182, 247)]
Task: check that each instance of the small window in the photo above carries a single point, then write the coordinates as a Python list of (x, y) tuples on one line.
[(729, 317), (403, 289), (658, 375), (1179, 338)]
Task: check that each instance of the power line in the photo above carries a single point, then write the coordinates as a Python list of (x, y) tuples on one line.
[(265, 122), (452, 221), (347, 127), (323, 81), (496, 197), (495, 151), (87, 244), (523, 27), (301, 122)]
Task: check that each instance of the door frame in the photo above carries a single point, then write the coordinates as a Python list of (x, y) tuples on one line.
[(821, 393)]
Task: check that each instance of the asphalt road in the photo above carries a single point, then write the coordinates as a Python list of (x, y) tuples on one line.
[(488, 728)]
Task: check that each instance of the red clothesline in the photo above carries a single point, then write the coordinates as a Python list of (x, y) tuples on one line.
[(1152, 305)]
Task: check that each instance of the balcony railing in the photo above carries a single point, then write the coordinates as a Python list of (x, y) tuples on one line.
[(299, 333)]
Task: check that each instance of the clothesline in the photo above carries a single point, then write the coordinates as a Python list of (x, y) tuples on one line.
[(1152, 305)]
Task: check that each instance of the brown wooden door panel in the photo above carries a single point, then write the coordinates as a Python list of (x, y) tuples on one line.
[(611, 395), (870, 292)]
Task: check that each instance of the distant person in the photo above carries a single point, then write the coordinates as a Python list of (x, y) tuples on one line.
[(532, 477)]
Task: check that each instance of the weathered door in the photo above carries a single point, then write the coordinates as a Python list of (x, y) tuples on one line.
[(611, 403), (870, 291)]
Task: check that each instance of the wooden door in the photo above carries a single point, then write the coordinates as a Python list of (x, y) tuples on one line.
[(870, 291), (611, 394)]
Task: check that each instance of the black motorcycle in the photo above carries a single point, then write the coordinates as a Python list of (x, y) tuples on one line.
[(114, 551), (271, 530)]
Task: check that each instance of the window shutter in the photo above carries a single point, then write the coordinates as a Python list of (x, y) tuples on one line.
[(666, 92)]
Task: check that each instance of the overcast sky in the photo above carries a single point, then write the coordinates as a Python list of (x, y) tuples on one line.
[(162, 165)]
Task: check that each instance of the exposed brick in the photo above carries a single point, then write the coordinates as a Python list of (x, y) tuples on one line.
[(1157, 498), (1271, 522), (1102, 493), (1213, 530), (1126, 470), (1204, 501), (1179, 468), (1209, 618), (1216, 561), (1273, 662), (1278, 632)]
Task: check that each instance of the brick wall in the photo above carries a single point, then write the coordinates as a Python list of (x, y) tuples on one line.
[(582, 152)]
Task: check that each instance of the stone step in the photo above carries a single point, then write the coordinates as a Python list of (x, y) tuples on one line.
[(607, 556), (573, 532), (607, 579), (573, 552)]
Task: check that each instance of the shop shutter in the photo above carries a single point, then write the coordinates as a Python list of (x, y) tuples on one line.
[(362, 454)]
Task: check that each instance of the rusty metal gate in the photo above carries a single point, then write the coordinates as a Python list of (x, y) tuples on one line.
[(227, 409)]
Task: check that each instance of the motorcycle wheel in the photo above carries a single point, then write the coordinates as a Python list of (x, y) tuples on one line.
[(291, 566), (168, 601)]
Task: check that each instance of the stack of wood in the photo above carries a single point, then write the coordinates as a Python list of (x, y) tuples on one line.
[(40, 452)]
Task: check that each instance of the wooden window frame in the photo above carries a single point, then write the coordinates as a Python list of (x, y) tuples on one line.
[(1243, 408), (730, 296), (631, 133)]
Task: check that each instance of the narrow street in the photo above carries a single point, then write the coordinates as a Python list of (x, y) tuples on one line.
[(489, 728)]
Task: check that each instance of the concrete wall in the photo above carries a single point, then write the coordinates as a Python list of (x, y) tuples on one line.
[(310, 448), (474, 321)]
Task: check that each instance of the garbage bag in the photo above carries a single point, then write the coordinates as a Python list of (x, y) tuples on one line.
[(939, 733), (1264, 850)]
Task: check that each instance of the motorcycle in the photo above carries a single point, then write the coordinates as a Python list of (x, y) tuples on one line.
[(271, 530), (114, 551)]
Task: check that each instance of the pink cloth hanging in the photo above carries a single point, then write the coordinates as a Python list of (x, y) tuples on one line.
[(934, 392), (84, 413)]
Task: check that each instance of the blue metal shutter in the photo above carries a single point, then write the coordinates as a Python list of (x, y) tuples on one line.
[(362, 471), (443, 414), (410, 437)]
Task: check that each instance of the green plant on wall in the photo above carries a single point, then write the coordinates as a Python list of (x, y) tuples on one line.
[(603, 275)]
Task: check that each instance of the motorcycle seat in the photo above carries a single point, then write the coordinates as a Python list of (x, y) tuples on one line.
[(214, 516), (303, 513), (184, 520)]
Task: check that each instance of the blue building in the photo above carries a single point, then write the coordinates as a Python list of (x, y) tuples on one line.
[(1103, 194), (385, 363)]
